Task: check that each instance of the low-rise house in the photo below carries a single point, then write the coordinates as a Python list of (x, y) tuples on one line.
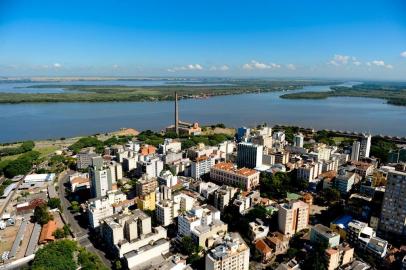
[(266, 252), (278, 242), (47, 232)]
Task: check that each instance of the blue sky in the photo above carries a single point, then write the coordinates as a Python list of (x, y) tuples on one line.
[(289, 38)]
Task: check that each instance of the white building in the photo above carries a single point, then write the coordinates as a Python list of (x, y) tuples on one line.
[(102, 207), (231, 253), (201, 166), (151, 166), (356, 146), (166, 211), (298, 140), (170, 145), (130, 236), (166, 178), (365, 146)]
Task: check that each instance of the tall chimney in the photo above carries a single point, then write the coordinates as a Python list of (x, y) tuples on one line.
[(176, 114)]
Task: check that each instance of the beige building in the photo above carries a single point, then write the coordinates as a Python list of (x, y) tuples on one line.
[(231, 253), (338, 256), (228, 174), (293, 217), (145, 185), (223, 196)]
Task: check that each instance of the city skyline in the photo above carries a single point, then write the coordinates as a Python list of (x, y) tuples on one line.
[(338, 39)]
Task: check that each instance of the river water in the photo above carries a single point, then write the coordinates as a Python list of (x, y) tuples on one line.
[(55, 120)]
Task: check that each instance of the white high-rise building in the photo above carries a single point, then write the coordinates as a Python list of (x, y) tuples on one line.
[(365, 146), (355, 150), (298, 140), (201, 166), (100, 181)]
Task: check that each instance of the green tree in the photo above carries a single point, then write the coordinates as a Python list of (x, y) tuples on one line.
[(59, 233), (54, 203), (90, 261), (41, 214), (58, 255), (75, 207), (22, 165), (188, 247)]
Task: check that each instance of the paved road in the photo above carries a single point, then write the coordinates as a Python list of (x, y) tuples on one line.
[(81, 234)]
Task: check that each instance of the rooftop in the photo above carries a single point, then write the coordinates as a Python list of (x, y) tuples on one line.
[(227, 166)]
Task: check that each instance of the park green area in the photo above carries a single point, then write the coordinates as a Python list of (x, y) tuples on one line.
[(65, 254), (393, 92), (121, 93)]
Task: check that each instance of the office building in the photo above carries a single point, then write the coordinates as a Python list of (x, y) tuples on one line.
[(249, 155), (293, 217), (229, 254), (228, 174)]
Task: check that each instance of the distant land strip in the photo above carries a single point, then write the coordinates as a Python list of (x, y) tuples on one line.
[(393, 93), (120, 93)]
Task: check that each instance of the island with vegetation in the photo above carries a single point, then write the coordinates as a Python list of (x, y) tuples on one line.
[(186, 90), (393, 92)]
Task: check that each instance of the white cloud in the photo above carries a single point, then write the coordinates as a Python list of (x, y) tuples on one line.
[(188, 67), (220, 68), (57, 65), (339, 59), (379, 63), (291, 66), (258, 65), (115, 66), (403, 54)]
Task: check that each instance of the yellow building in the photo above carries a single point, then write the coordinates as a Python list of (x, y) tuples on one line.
[(147, 202)]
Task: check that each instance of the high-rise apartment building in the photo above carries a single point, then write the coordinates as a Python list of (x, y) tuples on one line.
[(100, 181), (365, 146), (356, 145), (293, 217), (298, 140), (393, 214), (200, 166)]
